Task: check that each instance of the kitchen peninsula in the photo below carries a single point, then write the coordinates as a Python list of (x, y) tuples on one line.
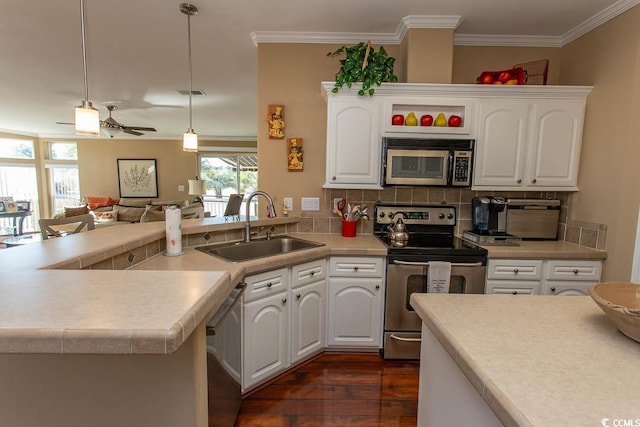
[(534, 361), (123, 347)]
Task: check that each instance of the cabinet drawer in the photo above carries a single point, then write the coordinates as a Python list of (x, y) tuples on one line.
[(512, 287), (308, 272), (514, 269), (356, 267), (574, 270), (265, 284)]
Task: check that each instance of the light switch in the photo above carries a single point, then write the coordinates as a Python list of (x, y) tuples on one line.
[(180, 187), (288, 202), (310, 204)]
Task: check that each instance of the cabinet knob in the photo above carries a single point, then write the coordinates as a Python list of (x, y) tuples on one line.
[(515, 292), (377, 286), (333, 178), (298, 296), (284, 300), (355, 268), (269, 284), (519, 181), (516, 271), (533, 181), (312, 273), (575, 271), (553, 289)]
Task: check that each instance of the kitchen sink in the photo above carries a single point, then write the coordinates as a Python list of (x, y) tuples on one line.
[(244, 251)]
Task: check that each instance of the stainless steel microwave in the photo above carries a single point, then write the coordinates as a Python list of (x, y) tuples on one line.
[(437, 162)]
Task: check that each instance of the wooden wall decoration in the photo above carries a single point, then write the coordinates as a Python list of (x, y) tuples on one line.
[(295, 162), (275, 117)]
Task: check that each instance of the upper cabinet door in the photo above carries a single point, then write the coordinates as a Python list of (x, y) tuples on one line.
[(556, 138), (501, 143), (353, 143)]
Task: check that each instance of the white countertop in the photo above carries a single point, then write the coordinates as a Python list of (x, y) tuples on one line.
[(148, 309), (539, 360)]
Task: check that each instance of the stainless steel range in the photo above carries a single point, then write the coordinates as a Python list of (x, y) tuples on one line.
[(431, 237)]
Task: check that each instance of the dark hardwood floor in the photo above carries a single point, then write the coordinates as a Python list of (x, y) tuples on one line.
[(345, 389)]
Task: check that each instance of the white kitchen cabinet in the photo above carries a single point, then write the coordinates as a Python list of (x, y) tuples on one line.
[(284, 319), (529, 144), (353, 142), (266, 342), (308, 320), (545, 277), (355, 312), (571, 277)]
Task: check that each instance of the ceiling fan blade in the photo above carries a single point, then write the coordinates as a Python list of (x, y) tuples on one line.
[(65, 123), (139, 128), (132, 132)]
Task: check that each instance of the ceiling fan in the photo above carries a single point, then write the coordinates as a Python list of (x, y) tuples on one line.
[(111, 127)]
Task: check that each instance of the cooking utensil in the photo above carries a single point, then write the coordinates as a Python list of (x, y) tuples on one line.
[(341, 204)]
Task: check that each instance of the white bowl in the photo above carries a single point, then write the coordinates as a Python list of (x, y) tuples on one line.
[(621, 302)]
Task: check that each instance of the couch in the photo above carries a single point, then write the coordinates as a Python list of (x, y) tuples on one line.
[(108, 211)]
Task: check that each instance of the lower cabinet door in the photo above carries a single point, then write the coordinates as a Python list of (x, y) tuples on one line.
[(355, 312), (265, 339), (567, 288), (307, 320)]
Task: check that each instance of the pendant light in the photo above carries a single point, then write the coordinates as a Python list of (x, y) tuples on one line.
[(87, 118), (190, 138)]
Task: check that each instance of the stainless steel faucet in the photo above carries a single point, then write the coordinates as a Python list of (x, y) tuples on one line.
[(247, 224)]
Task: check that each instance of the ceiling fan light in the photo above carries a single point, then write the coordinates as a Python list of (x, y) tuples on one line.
[(190, 141), (111, 131), (87, 120)]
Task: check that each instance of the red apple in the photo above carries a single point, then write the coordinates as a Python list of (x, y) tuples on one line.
[(397, 120), (504, 76), (455, 121), (487, 79), (426, 120)]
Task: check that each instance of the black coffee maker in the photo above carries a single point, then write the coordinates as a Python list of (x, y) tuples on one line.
[(489, 215)]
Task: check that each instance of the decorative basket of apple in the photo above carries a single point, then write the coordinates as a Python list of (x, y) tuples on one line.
[(513, 76), (427, 120)]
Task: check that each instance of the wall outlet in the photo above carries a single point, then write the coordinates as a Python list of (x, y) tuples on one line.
[(180, 187), (288, 202), (310, 203)]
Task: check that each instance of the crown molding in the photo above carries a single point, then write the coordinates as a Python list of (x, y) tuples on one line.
[(509, 40), (446, 21), (598, 19), (408, 22)]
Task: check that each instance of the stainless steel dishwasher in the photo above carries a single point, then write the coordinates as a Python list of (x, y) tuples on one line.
[(224, 361)]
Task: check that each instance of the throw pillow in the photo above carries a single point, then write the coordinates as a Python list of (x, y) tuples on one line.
[(152, 215), (128, 214), (75, 211), (99, 202), (108, 216)]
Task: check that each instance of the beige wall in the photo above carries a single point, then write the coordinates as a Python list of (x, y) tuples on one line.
[(290, 75), (609, 59), (429, 55)]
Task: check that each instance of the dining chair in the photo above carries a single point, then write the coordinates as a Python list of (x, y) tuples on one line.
[(78, 221)]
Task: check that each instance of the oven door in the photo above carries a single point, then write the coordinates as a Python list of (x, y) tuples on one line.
[(401, 323), (417, 167)]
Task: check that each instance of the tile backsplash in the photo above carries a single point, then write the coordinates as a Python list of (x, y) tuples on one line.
[(569, 230)]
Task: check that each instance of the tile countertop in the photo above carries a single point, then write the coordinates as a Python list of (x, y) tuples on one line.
[(149, 309), (539, 360), (530, 249)]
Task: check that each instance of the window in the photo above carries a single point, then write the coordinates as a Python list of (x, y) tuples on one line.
[(63, 175), (18, 179), (228, 174)]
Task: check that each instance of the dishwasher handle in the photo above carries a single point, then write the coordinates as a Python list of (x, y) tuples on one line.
[(426, 264), (211, 330)]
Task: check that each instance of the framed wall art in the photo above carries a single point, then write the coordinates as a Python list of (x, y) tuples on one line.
[(138, 177)]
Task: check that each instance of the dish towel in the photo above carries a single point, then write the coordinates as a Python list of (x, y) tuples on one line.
[(438, 277)]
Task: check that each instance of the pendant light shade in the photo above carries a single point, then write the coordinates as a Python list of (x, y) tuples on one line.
[(190, 138), (87, 118)]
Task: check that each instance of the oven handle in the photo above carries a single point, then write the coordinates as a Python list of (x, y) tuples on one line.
[(395, 337), (453, 264)]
